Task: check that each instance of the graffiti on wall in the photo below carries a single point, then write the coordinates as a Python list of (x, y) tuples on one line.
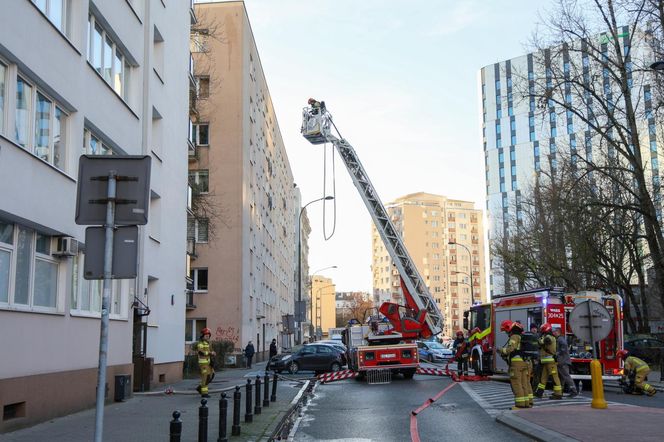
[(229, 334)]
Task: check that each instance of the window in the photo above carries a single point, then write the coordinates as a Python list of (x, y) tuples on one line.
[(200, 277), (193, 329), (92, 145), (3, 73), (198, 230), (40, 124), (86, 294), (202, 87), (200, 134), (55, 10), (200, 180), (107, 58), (199, 40), (28, 273)]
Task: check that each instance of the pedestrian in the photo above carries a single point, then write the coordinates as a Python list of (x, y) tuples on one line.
[(518, 368), (205, 362), (638, 370), (460, 347), (249, 353), (564, 362), (548, 362), (273, 348)]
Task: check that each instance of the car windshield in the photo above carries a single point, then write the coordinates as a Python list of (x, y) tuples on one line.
[(435, 345)]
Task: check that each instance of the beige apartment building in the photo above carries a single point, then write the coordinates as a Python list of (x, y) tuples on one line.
[(428, 223), (244, 239), (323, 304)]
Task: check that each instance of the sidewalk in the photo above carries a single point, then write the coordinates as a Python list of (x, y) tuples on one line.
[(146, 417), (583, 423)]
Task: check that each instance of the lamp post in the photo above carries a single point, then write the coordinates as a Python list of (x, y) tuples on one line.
[(470, 255), (299, 309)]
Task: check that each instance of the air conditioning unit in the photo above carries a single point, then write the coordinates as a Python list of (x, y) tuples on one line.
[(65, 246)]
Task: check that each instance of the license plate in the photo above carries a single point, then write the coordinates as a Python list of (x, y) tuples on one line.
[(388, 355)]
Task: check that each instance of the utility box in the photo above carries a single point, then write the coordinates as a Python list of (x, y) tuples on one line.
[(123, 387)]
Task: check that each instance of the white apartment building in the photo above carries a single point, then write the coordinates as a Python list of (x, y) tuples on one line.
[(100, 78)]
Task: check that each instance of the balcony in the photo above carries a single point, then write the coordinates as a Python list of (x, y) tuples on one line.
[(191, 146), (192, 13), (190, 300), (191, 248)]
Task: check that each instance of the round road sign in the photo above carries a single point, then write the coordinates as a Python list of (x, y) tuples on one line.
[(590, 314)]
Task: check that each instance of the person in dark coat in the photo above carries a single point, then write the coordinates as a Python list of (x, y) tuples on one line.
[(564, 362), (273, 348), (249, 351)]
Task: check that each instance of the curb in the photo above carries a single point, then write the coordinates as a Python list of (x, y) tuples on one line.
[(537, 432)]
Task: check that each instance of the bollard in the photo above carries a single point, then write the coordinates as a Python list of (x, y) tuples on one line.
[(176, 427), (237, 397), (274, 388), (248, 417), (598, 386), (203, 421), (257, 407), (266, 390), (223, 418)]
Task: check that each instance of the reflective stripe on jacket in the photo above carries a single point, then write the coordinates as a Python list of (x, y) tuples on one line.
[(547, 349), (203, 350), (511, 349)]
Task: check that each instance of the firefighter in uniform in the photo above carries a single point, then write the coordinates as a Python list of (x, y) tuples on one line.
[(460, 347), (548, 363), (635, 367), (518, 367), (204, 361)]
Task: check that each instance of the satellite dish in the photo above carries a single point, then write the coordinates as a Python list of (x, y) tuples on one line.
[(590, 321)]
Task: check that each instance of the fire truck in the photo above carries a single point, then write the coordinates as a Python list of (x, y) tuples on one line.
[(376, 344), (536, 307)]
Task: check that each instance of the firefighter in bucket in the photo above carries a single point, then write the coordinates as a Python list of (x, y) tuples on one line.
[(519, 371)]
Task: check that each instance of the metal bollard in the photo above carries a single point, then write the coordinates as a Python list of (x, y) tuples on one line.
[(223, 418), (266, 390), (203, 421), (237, 397), (176, 427), (257, 407), (273, 398), (248, 417)]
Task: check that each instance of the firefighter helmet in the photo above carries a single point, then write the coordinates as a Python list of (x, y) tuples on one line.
[(459, 333), (516, 325), (506, 325), (545, 328), (622, 354), (206, 331)]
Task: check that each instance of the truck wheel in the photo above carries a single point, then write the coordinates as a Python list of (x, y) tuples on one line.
[(476, 363), (408, 374), (361, 376)]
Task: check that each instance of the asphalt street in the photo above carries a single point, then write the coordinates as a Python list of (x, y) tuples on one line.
[(354, 410)]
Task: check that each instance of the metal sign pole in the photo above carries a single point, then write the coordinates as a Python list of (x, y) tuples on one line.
[(105, 302), (590, 322)]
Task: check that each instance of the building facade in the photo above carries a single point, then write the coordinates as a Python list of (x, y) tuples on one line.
[(95, 78), (523, 135), (428, 223), (323, 304), (246, 248)]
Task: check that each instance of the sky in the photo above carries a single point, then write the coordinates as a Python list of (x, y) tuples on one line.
[(401, 81)]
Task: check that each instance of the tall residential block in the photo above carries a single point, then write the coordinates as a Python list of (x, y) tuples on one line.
[(244, 229), (323, 304), (428, 223), (523, 134), (97, 78)]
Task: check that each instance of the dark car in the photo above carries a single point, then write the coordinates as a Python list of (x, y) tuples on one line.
[(338, 346), (312, 357), (646, 348)]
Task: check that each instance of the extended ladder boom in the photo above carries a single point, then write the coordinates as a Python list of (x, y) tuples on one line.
[(316, 127)]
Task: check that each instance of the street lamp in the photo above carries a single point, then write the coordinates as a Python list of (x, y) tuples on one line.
[(300, 310), (470, 255)]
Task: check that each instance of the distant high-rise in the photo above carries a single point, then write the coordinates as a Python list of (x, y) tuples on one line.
[(427, 224)]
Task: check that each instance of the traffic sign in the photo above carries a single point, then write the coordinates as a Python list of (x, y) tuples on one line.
[(132, 196), (125, 252), (590, 321)]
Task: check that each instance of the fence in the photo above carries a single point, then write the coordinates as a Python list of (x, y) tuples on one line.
[(257, 390)]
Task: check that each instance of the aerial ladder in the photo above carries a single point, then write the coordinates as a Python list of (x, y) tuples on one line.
[(425, 319)]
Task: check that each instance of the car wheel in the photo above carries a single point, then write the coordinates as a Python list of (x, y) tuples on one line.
[(335, 366), (430, 358), (293, 367)]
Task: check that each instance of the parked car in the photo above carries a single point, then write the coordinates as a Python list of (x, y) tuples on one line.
[(312, 357), (647, 348), (433, 351), (339, 346)]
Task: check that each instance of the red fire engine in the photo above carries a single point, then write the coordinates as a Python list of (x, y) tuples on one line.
[(380, 345), (536, 307)]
